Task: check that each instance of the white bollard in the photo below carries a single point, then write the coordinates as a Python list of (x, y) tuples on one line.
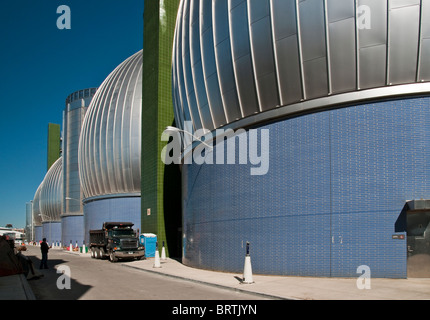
[(71, 246), (163, 253), (247, 269), (157, 260), (83, 248)]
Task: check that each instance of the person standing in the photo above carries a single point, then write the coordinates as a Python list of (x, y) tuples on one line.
[(44, 249)]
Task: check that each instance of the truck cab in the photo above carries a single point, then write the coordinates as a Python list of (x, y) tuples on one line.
[(116, 240)]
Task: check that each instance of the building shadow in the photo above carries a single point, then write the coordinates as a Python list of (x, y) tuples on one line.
[(45, 287)]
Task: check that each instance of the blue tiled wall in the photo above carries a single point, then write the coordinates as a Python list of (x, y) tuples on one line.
[(38, 231), (337, 182), (126, 209), (52, 232), (72, 230)]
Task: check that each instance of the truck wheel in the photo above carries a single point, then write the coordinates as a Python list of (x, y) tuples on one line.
[(98, 253), (93, 254), (112, 257), (102, 253)]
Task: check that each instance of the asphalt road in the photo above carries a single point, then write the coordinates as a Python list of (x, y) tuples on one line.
[(93, 279)]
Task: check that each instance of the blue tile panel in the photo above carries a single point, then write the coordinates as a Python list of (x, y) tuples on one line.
[(72, 230), (38, 231), (337, 182), (52, 232), (126, 209)]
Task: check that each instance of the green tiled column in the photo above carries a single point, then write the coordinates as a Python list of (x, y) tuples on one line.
[(157, 114), (54, 144)]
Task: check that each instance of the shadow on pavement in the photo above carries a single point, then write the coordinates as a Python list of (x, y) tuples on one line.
[(45, 287)]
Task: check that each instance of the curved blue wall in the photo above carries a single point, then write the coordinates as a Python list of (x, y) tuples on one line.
[(52, 232), (121, 209), (337, 183), (38, 231), (72, 230)]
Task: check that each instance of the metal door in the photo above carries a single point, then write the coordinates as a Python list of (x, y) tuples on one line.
[(418, 243)]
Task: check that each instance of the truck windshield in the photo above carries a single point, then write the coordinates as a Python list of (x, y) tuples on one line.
[(122, 233)]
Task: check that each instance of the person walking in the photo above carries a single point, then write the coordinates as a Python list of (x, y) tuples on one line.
[(44, 249)]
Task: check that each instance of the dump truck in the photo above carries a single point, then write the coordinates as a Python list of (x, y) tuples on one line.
[(116, 240)]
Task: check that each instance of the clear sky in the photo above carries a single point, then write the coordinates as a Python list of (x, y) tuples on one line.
[(40, 66)]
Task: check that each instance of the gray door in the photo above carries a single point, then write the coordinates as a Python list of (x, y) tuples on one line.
[(418, 244)]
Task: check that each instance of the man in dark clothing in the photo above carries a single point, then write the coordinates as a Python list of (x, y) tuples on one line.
[(44, 249)]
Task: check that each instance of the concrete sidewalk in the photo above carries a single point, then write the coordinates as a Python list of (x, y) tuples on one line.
[(15, 287), (295, 288)]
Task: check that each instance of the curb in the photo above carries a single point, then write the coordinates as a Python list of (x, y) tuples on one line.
[(27, 289), (264, 295)]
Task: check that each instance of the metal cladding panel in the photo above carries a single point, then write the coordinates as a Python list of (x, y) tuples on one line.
[(224, 64), (110, 141), (186, 69), (241, 56), (210, 71), (424, 61), (37, 218), (197, 67), (51, 193), (277, 53), (312, 26), (286, 50), (404, 30), (342, 44), (263, 55), (372, 47)]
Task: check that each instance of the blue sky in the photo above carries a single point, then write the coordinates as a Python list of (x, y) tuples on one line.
[(40, 66)]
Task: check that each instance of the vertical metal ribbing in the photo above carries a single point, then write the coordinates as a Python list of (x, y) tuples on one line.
[(51, 193), (239, 97), (99, 177), (177, 58), (195, 37), (132, 80), (275, 54), (327, 40), (420, 34), (111, 184), (299, 36), (252, 54), (387, 71), (187, 67), (94, 127), (183, 47), (103, 135), (179, 110), (202, 8), (137, 128), (357, 46), (229, 116), (216, 62)]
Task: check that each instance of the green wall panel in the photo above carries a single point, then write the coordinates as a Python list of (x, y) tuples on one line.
[(157, 114)]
